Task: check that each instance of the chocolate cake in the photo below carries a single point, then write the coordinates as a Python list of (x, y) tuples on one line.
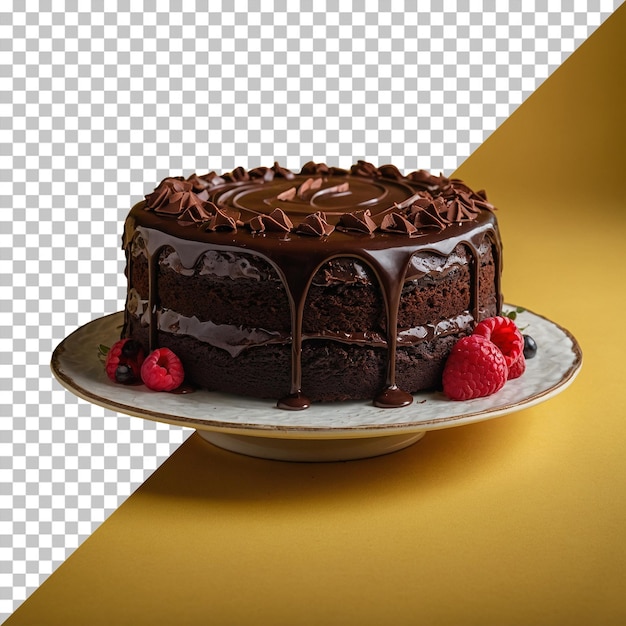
[(322, 285)]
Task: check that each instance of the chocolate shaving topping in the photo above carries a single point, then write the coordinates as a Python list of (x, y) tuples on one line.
[(315, 169), (443, 201), (283, 171), (454, 211), (483, 204), (462, 209), (396, 223), (265, 173), (160, 197), (363, 168), (276, 221), (179, 202), (197, 212), (455, 186), (315, 225), (359, 222), (213, 179), (200, 183), (429, 215), (425, 180), (312, 168), (220, 220), (257, 224), (390, 171), (237, 175)]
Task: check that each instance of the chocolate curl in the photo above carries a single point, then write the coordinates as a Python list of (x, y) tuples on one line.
[(420, 204), (483, 204), (321, 169), (237, 175), (359, 222), (194, 214), (213, 179), (425, 180), (177, 203), (429, 215), (462, 209), (282, 171), (472, 201), (446, 188), (199, 183), (315, 225), (454, 212), (390, 171), (396, 223), (188, 207), (276, 221), (479, 200), (363, 168), (221, 221), (264, 173), (311, 168), (159, 198), (458, 187)]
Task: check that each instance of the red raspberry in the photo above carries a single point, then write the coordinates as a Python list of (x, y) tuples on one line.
[(504, 333), (518, 368), (476, 367), (125, 352), (162, 370)]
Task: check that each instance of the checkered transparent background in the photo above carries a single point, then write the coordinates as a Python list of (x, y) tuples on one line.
[(97, 107)]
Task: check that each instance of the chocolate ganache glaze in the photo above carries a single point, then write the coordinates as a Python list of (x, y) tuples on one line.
[(299, 222)]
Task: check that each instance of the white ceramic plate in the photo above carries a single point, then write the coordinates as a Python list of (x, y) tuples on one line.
[(326, 431)]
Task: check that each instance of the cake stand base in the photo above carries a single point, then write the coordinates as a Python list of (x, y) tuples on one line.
[(310, 450)]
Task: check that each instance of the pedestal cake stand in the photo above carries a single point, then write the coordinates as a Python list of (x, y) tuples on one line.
[(326, 431)]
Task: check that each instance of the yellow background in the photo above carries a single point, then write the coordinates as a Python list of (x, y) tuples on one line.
[(518, 520)]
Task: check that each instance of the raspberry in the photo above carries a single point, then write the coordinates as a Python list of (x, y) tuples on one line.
[(162, 370), (476, 367), (518, 368), (504, 333), (123, 361)]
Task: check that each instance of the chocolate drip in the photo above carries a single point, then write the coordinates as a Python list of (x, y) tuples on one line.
[(386, 267), (153, 297), (392, 397), (294, 402)]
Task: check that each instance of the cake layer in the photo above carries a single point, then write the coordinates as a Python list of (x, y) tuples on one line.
[(340, 306), (331, 370)]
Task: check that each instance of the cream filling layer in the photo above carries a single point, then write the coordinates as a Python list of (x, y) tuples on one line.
[(235, 339)]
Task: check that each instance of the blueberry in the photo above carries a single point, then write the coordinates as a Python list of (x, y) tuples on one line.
[(530, 347), (124, 374), (131, 349)]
